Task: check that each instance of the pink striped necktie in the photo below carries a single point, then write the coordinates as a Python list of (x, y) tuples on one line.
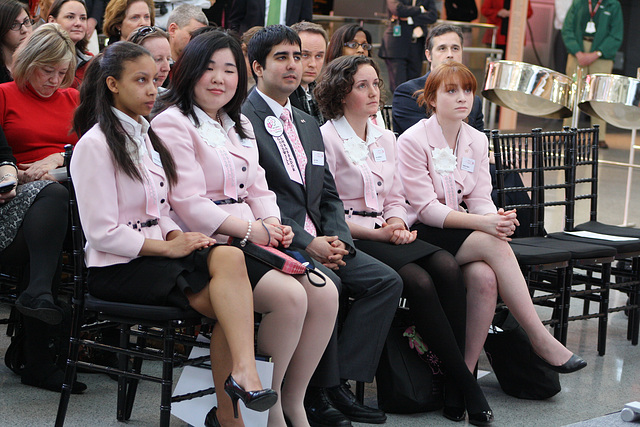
[(301, 157)]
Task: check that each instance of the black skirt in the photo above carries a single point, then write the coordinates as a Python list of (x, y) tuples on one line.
[(449, 239), (156, 280), (396, 256)]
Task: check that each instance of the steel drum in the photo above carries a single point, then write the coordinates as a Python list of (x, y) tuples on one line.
[(529, 89), (615, 99)]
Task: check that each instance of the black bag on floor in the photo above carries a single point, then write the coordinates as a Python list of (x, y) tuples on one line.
[(406, 381), (520, 372)]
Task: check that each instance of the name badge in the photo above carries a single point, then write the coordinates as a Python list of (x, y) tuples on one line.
[(468, 164), (155, 156), (273, 126), (379, 155), (317, 158), (591, 27)]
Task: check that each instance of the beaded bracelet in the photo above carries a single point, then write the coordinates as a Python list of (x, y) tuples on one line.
[(243, 242), (6, 175)]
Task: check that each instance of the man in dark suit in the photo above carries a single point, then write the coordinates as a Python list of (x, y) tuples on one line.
[(250, 13), (444, 43), (292, 155), (404, 39)]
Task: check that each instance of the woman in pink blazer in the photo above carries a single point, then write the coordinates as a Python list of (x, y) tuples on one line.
[(135, 252), (443, 162), (363, 160), (222, 192)]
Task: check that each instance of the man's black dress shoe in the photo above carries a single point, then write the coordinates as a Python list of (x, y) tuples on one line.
[(346, 402), (575, 363), (454, 413), (320, 410), (211, 419), (483, 418), (39, 308)]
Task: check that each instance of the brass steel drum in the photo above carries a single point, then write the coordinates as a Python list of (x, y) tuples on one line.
[(529, 89), (615, 99)]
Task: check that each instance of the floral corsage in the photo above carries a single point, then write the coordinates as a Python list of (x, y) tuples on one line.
[(444, 161)]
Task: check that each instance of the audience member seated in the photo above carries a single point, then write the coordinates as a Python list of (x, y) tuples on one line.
[(444, 43), (35, 213), (35, 109), (221, 190), (135, 252), (156, 41), (121, 17), (183, 21), (314, 48), (363, 160), (72, 17), (15, 26), (444, 162), (292, 155), (350, 39)]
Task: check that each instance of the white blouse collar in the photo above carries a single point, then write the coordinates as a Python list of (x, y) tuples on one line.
[(136, 131), (212, 132), (354, 147)]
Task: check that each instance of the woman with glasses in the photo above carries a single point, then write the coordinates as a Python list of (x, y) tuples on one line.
[(349, 39), (72, 17), (222, 192), (122, 17), (156, 41), (15, 27)]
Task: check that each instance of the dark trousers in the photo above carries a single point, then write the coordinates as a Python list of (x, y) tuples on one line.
[(404, 69)]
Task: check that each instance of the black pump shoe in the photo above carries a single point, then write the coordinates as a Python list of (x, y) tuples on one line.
[(212, 419), (39, 308), (259, 400), (575, 363), (454, 413), (483, 418)]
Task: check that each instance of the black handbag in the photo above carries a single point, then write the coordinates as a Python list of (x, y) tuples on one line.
[(406, 381), (520, 372)]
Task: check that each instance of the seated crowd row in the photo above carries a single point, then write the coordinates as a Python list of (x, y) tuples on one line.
[(158, 201)]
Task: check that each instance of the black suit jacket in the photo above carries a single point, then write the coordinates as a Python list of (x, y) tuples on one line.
[(407, 113), (249, 13), (299, 100), (397, 47), (318, 197)]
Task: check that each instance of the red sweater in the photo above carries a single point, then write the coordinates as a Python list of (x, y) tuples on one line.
[(37, 127)]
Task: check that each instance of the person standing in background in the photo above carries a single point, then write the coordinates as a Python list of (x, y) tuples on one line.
[(592, 33), (249, 13), (497, 13), (403, 40)]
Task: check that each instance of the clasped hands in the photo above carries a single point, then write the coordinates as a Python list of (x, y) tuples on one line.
[(40, 170), (502, 224), (270, 232), (586, 58)]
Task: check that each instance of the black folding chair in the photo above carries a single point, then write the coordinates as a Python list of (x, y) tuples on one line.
[(387, 116), (584, 161), (91, 313)]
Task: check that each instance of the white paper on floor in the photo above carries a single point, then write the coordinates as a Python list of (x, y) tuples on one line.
[(194, 411)]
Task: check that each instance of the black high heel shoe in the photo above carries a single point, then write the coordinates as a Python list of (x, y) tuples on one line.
[(259, 400), (575, 363), (211, 419), (483, 418), (454, 413)]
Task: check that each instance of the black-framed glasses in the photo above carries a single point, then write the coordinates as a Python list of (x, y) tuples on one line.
[(355, 45), (17, 26)]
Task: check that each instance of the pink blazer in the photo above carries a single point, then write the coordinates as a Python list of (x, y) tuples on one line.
[(110, 202), (201, 177), (423, 185), (349, 181)]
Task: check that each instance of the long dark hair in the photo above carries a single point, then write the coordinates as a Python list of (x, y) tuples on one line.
[(193, 63), (9, 11), (96, 101)]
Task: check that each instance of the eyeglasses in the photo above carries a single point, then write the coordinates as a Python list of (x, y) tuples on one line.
[(355, 45), (17, 26)]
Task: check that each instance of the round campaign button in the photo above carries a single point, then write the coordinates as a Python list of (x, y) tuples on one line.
[(273, 126)]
